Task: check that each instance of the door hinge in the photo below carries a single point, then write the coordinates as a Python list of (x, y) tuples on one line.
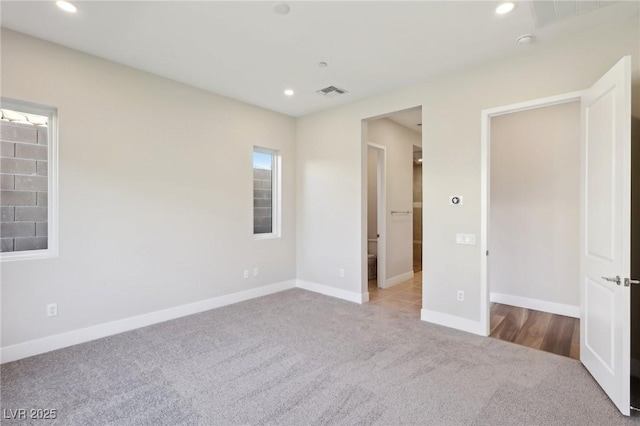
[(629, 281), (487, 253)]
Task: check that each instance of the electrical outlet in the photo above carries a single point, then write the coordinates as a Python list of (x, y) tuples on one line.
[(460, 296), (246, 273), (256, 272), (341, 272), (52, 310)]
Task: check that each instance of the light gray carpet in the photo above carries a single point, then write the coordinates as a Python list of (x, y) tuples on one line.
[(300, 358)]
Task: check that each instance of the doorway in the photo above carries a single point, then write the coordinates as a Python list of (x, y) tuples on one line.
[(486, 194), (394, 210), (534, 240), (376, 219), (605, 218)]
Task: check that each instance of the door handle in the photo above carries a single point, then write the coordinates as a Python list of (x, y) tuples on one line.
[(629, 281), (615, 279)]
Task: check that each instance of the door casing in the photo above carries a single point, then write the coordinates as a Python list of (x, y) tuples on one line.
[(485, 149)]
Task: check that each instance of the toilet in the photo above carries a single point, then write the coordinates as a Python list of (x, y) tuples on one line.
[(372, 262), (372, 258)]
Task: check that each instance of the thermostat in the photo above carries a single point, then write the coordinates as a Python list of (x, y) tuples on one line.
[(455, 200)]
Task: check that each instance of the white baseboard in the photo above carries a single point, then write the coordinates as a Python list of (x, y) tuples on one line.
[(338, 293), (536, 304), (453, 321), (398, 279), (63, 340)]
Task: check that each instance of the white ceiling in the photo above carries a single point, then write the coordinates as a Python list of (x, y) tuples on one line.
[(245, 51)]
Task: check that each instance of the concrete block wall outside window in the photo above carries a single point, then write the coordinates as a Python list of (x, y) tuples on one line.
[(24, 181), (262, 202), (265, 184), (23, 194)]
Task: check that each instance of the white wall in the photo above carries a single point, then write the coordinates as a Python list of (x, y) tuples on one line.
[(160, 166), (331, 167), (534, 241), (155, 193), (399, 142)]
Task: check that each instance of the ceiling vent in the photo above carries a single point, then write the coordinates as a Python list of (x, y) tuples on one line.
[(331, 91), (547, 12)]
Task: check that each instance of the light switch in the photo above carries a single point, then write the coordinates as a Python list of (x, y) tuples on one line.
[(467, 239)]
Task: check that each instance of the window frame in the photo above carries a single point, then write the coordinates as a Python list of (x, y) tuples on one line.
[(52, 180), (276, 186)]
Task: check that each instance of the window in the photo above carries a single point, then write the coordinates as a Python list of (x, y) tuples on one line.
[(266, 197), (28, 181)]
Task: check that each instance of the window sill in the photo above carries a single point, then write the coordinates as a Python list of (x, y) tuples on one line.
[(27, 255), (265, 236)]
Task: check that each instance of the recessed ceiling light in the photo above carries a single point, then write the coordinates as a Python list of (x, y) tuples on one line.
[(281, 8), (505, 8), (66, 6), (289, 92)]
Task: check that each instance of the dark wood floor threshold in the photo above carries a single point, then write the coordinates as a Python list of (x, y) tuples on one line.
[(539, 330)]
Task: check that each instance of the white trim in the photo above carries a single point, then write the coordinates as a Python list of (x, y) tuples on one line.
[(398, 279), (276, 192), (537, 304), (52, 180), (58, 341), (338, 293), (377, 146), (534, 103), (485, 166), (452, 321), (485, 132)]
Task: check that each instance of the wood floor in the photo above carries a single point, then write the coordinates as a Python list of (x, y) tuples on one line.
[(539, 330)]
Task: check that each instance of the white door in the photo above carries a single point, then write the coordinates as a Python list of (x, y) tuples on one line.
[(605, 222)]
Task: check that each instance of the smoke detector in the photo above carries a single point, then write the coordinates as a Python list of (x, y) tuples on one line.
[(331, 91)]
